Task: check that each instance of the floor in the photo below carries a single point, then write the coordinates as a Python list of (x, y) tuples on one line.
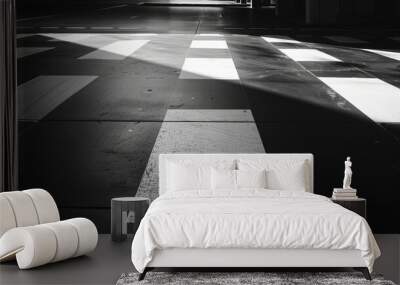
[(103, 266), (110, 260)]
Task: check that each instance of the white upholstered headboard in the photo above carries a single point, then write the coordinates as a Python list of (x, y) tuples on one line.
[(164, 158)]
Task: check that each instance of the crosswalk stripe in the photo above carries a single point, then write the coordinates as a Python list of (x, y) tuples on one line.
[(118, 50), (345, 40), (209, 35), (39, 96), (280, 40), (389, 54), (21, 36), (101, 28), (208, 115), (209, 44), (76, 28), (112, 7), (68, 37), (27, 51), (202, 135), (377, 99), (81, 37), (209, 68), (308, 55)]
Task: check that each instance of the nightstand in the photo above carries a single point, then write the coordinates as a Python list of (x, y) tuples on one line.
[(126, 214), (358, 205)]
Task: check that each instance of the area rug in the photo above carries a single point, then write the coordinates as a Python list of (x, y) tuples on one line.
[(254, 278)]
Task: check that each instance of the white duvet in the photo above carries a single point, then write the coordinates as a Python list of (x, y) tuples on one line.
[(250, 219)]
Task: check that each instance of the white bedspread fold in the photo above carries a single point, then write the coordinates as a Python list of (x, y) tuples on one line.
[(250, 218)]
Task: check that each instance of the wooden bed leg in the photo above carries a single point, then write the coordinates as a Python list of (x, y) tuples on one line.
[(365, 272), (143, 274)]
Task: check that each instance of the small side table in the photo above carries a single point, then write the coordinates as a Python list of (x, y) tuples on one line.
[(358, 205), (126, 211)]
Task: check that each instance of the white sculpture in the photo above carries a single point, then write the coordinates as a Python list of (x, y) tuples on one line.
[(348, 173)]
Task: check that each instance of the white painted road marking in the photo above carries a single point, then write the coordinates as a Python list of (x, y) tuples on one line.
[(217, 44), (27, 51), (280, 40), (209, 35), (377, 99), (118, 50), (68, 37), (345, 40), (21, 36), (389, 54), (308, 55), (209, 68), (112, 7), (208, 115), (39, 96), (201, 136)]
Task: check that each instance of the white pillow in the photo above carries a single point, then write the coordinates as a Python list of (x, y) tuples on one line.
[(251, 178), (188, 177), (223, 179), (282, 174)]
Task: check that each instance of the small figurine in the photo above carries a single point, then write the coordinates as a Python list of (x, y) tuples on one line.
[(348, 173)]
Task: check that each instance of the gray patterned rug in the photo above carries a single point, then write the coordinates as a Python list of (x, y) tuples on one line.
[(244, 278)]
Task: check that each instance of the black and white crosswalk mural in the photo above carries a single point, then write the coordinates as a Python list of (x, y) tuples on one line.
[(39, 96), (203, 130), (345, 40), (98, 103), (389, 54), (204, 64), (377, 99), (200, 131), (27, 51)]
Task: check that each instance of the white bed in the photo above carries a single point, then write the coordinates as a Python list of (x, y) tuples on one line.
[(249, 227)]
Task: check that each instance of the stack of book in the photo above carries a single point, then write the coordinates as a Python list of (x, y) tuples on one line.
[(344, 194)]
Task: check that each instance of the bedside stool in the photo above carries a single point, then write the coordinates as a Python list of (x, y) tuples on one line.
[(127, 211), (358, 205)]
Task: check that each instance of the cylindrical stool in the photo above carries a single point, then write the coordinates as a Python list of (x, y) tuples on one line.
[(126, 213)]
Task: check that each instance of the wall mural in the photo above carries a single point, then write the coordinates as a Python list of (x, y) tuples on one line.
[(97, 104)]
